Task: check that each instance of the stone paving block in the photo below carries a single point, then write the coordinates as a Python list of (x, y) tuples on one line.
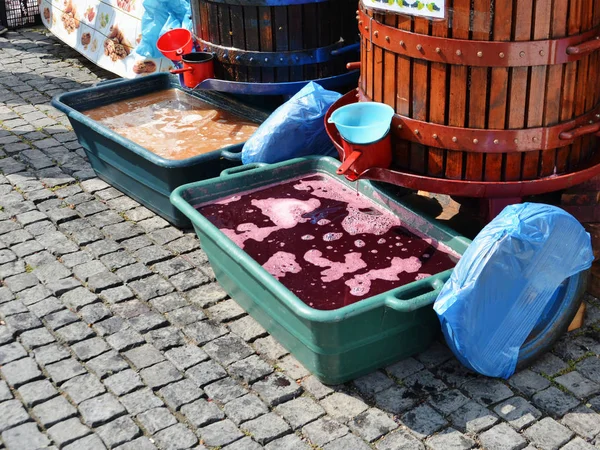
[(122, 231), (372, 424), (104, 247), (244, 444), (578, 385), (176, 437), (90, 348), (160, 375), (139, 213), (578, 444), (125, 339), (50, 353), (101, 281), (348, 441), (141, 443), (27, 248), (487, 391), (341, 406), (5, 393), (395, 400), (133, 272), (130, 309), (32, 295), (60, 319), (454, 374), (300, 411), (205, 373), (528, 382), (116, 294), (20, 372), (100, 410), (424, 383), (153, 286), (83, 387), (11, 352), (124, 382), (57, 244), (245, 408), (518, 412), (450, 439), (247, 328), (90, 208), (220, 433), (16, 237), (324, 431), (118, 432), (548, 364), (400, 440), (502, 437), (448, 401), (288, 442), (547, 434), (25, 436), (185, 316), (369, 385), (147, 321), (107, 364), (266, 428), (63, 433), (42, 309), (554, 402), (74, 332), (91, 442), (140, 401), (51, 272), (405, 368), (590, 368), (206, 295), (188, 280), (10, 269), (21, 282), (172, 267), (152, 254), (269, 348), (13, 307), (228, 349), (175, 395), (225, 311), (583, 421), (223, 391), (186, 356), (201, 413), (37, 392), (12, 414), (156, 419), (165, 338), (59, 287), (87, 236), (312, 385), (110, 326), (94, 313), (473, 418), (144, 356), (116, 260), (65, 370), (54, 411), (184, 244), (204, 332), (39, 259)]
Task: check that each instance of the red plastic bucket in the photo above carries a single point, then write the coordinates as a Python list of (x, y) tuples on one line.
[(175, 43), (197, 67), (360, 157)]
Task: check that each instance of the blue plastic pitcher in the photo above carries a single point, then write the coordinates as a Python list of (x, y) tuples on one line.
[(363, 122)]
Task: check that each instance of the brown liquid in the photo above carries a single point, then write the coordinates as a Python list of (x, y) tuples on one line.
[(173, 124)]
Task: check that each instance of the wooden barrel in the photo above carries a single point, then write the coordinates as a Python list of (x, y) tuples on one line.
[(494, 91), (276, 40)]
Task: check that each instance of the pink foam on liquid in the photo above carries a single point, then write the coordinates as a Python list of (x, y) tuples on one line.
[(357, 221), (361, 284), (352, 262), (228, 200), (282, 263), (285, 213)]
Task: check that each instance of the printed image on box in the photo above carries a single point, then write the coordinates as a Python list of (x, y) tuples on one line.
[(423, 8)]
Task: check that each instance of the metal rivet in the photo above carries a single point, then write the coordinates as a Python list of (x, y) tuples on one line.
[(416, 131), (597, 116), (454, 139), (534, 139), (458, 52), (281, 59), (435, 136), (542, 53), (251, 59), (501, 55), (376, 33), (522, 54), (591, 121), (399, 126), (496, 141), (225, 55), (516, 141), (357, 11), (266, 59), (387, 39), (438, 50), (480, 54), (367, 28), (475, 141), (360, 22), (401, 43), (297, 58), (419, 47), (238, 57)]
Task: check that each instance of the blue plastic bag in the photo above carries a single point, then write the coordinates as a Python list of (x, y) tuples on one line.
[(159, 17), (294, 129), (504, 281)]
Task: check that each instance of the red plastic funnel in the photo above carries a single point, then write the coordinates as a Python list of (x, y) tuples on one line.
[(175, 43)]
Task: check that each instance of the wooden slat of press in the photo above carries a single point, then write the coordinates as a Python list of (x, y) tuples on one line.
[(369, 61), (309, 23), (563, 155), (252, 38), (522, 16), (214, 34), (595, 63), (537, 87), (389, 69), (437, 101), (420, 93), (378, 73), (265, 28), (457, 97), (553, 85), (204, 34), (403, 95), (498, 91), (238, 39), (479, 87), (585, 93), (225, 34), (580, 87), (323, 35), (295, 38), (280, 25)]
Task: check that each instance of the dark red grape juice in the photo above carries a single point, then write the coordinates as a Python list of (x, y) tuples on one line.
[(327, 245)]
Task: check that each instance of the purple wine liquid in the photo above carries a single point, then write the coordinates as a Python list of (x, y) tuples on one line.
[(327, 244)]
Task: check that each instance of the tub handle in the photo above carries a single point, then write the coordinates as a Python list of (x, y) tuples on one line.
[(231, 156), (353, 65), (240, 169), (404, 302), (105, 82), (584, 47), (580, 131)]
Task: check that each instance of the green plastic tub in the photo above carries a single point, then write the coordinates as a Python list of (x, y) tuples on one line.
[(131, 168), (337, 345)]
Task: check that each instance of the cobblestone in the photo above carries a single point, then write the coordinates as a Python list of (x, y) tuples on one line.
[(548, 434)]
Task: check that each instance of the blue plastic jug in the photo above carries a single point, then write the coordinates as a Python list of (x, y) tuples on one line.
[(363, 122)]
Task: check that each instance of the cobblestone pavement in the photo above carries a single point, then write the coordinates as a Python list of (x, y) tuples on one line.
[(114, 333)]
